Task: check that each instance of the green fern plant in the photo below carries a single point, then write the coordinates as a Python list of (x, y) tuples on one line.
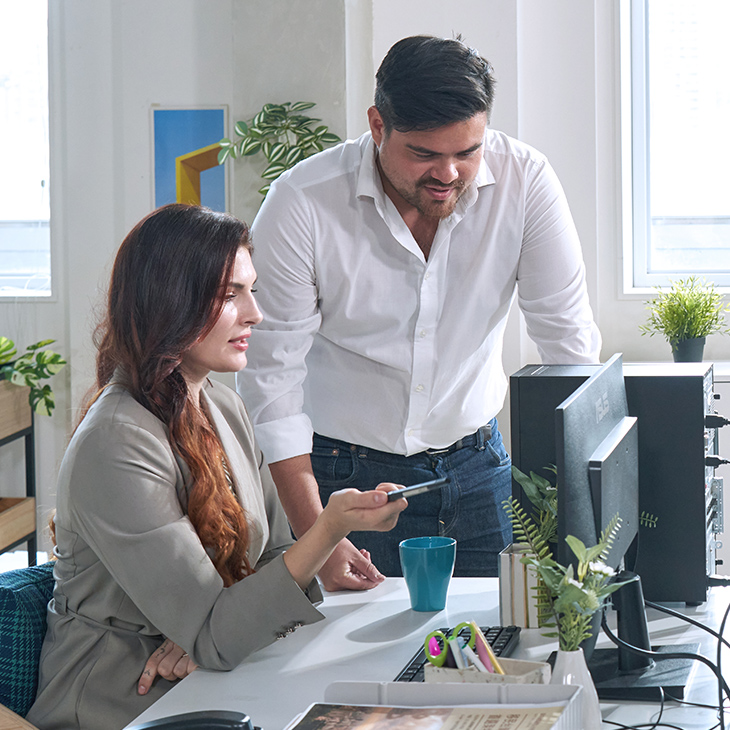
[(282, 134), (570, 596), (647, 520)]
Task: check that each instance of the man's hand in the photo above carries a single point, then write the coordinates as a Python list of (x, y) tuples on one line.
[(349, 569), (169, 662)]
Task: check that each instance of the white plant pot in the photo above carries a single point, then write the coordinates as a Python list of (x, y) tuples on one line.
[(571, 668)]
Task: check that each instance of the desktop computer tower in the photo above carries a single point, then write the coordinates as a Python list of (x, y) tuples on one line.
[(670, 400)]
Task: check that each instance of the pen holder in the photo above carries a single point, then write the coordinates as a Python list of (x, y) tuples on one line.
[(517, 671)]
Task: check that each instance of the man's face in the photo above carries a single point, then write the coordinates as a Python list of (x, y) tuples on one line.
[(428, 171)]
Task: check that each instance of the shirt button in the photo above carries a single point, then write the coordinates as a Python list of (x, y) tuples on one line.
[(427, 275), (410, 432), (419, 388), (422, 333)]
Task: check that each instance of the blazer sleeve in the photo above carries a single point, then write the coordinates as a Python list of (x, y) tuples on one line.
[(122, 500)]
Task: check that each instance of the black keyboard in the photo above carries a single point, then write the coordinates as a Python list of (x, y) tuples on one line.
[(502, 639)]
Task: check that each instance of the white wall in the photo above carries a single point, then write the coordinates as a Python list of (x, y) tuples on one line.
[(557, 66)]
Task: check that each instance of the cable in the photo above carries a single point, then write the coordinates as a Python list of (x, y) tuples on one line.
[(715, 461), (669, 655), (621, 726), (719, 666), (689, 620), (713, 420)]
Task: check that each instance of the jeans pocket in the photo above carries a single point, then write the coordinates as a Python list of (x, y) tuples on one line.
[(499, 454), (334, 467)]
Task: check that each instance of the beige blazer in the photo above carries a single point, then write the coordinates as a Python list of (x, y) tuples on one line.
[(131, 569)]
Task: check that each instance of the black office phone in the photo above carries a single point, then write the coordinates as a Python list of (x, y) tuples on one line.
[(204, 720)]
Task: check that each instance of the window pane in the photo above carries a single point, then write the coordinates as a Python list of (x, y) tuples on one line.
[(681, 118), (24, 206)]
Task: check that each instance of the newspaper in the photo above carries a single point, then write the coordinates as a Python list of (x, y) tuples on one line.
[(322, 716)]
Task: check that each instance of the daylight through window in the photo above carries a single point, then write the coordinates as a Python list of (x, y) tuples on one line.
[(25, 252)]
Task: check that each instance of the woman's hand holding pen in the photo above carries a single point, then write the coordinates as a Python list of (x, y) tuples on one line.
[(346, 510), (350, 509)]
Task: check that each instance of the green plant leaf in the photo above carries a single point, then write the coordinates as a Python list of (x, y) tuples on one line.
[(300, 106), (7, 350), (42, 400), (273, 171), (330, 138), (293, 156), (224, 153), (277, 153), (264, 190), (38, 345), (241, 129), (249, 146)]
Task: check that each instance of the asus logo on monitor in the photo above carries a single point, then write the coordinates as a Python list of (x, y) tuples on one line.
[(602, 407)]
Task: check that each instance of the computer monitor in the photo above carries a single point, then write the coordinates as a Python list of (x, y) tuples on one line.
[(597, 459), (597, 478)]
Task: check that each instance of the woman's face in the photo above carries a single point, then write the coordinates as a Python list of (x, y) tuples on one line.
[(223, 349)]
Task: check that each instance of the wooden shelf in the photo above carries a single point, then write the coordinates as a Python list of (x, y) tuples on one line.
[(17, 520), (17, 514), (15, 413)]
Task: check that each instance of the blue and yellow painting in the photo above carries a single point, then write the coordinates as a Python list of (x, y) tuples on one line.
[(186, 157)]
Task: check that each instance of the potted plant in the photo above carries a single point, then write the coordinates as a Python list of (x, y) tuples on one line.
[(571, 597), (685, 315), (34, 365), (282, 134)]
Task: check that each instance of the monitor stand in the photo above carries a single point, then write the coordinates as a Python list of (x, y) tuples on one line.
[(646, 684)]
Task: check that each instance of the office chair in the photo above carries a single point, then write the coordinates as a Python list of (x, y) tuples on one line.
[(24, 596)]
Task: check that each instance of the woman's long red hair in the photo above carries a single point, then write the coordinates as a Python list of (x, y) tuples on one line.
[(166, 292)]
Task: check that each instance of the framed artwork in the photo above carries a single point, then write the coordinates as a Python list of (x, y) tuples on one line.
[(186, 148)]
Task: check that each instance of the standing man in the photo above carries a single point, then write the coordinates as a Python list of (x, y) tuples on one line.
[(387, 267)]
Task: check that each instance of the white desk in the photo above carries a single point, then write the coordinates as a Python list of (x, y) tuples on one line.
[(371, 635)]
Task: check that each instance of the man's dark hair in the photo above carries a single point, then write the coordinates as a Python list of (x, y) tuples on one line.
[(426, 82)]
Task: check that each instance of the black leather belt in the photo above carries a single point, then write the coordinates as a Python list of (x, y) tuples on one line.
[(480, 436)]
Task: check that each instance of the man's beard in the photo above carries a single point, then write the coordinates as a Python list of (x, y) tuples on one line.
[(429, 207)]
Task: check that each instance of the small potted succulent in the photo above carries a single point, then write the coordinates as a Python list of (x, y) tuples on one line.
[(28, 369), (685, 314)]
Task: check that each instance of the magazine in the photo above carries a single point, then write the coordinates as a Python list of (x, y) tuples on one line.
[(322, 716)]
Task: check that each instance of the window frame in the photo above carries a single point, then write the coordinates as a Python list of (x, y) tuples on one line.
[(636, 183), (50, 294)]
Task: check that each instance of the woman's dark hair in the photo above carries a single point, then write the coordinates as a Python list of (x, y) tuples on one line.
[(426, 82), (167, 292)]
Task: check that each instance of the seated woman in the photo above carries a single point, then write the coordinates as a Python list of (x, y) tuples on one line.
[(168, 525)]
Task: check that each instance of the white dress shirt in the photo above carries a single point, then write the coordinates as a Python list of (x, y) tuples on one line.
[(365, 340)]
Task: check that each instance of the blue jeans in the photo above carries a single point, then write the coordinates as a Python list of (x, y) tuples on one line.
[(469, 509)]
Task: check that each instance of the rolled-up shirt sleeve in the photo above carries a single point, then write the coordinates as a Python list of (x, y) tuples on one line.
[(551, 281), (272, 383)]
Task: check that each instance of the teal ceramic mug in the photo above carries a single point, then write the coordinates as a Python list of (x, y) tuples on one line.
[(427, 564)]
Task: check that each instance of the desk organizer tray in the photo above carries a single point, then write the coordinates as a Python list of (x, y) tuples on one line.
[(516, 671), (419, 694)]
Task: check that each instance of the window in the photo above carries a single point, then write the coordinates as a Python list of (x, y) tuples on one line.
[(25, 252), (680, 58)]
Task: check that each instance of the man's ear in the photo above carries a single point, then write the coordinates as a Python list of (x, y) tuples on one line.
[(377, 126)]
